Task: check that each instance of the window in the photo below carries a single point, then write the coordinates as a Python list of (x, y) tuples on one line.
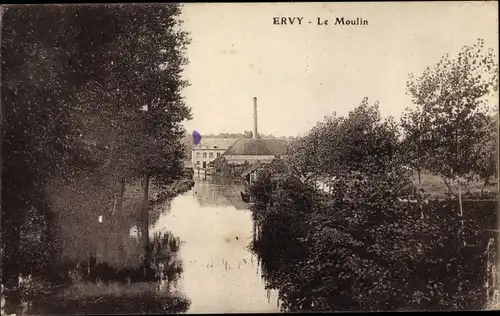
[(211, 155), (198, 162), (204, 155), (218, 155), (204, 164), (198, 155)]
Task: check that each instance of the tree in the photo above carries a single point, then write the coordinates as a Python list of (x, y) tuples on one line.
[(65, 68), (144, 77), (415, 145), (359, 247), (451, 96), (302, 156), (38, 139), (248, 134), (486, 164), (361, 142)]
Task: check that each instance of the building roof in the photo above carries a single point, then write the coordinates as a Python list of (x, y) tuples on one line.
[(215, 143), (258, 147)]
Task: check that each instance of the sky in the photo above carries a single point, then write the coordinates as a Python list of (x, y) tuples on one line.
[(301, 73)]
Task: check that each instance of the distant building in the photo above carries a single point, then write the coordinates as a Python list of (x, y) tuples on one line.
[(250, 174), (243, 155), (255, 150), (253, 171), (250, 151), (208, 150)]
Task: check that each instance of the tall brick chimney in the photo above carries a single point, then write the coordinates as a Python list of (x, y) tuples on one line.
[(255, 133)]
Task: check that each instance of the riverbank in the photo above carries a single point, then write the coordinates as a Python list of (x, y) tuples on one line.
[(110, 298), (349, 250), (178, 187), (163, 195)]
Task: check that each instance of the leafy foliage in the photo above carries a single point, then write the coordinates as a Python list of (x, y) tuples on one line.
[(360, 247), (452, 114), (360, 142), (88, 91)]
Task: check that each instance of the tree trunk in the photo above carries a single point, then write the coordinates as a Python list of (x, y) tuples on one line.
[(486, 182), (449, 187), (145, 228), (11, 234), (145, 196), (92, 266), (418, 168), (109, 159), (120, 197), (51, 243), (419, 191), (114, 204), (461, 212)]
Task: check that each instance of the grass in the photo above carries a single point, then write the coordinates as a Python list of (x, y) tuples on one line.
[(434, 186)]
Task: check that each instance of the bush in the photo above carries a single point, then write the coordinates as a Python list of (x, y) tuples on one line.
[(360, 249)]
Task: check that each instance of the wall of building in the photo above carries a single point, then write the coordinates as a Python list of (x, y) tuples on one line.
[(253, 176), (240, 159), (200, 155)]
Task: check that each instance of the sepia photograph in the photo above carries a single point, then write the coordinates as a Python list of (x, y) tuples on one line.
[(203, 158)]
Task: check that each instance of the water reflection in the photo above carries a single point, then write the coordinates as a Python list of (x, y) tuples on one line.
[(213, 191), (99, 286), (195, 257), (107, 264), (220, 274)]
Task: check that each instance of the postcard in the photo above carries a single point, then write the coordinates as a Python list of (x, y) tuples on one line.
[(249, 157)]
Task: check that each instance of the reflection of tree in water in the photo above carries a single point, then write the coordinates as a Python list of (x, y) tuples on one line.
[(208, 195), (219, 192), (101, 287), (165, 265), (99, 267)]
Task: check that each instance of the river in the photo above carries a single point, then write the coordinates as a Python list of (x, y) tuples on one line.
[(215, 228), (198, 247)]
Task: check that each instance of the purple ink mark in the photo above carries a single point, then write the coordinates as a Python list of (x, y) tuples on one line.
[(196, 137)]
